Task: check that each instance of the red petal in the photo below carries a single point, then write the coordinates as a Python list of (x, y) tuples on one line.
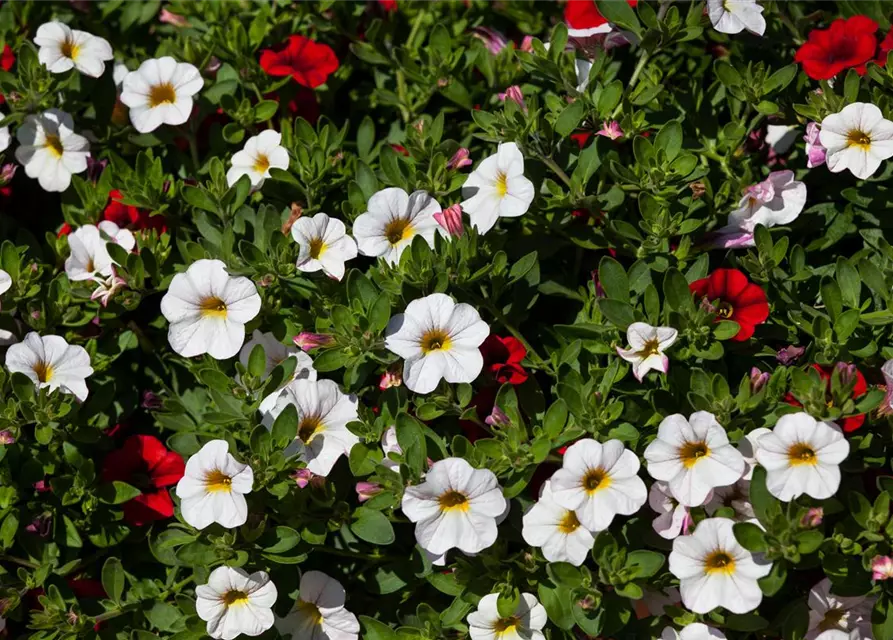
[(156, 505), (853, 423), (727, 285), (582, 14), (169, 470), (516, 351)]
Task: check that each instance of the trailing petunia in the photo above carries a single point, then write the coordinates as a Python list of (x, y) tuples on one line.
[(735, 298)]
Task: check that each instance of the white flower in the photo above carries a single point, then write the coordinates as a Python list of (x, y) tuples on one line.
[(674, 518), (833, 617), (886, 407), (781, 137), (160, 92), (208, 309), (389, 444), (50, 150), (438, 339), (324, 245), (456, 507), (323, 414), (62, 49), (5, 281), (647, 345), (734, 16), (213, 488), (525, 623), (89, 255), (497, 188), (858, 138), (598, 481), (746, 447), (51, 363), (392, 220), (260, 154), (119, 72), (693, 456), (275, 353), (715, 571), (802, 455), (654, 601), (233, 602), (556, 530), (693, 631), (736, 496), (319, 612), (777, 200), (582, 67), (4, 135)]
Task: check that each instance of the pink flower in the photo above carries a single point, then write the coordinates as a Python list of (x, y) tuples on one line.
[(527, 44), (886, 406), (514, 94), (303, 477), (789, 355), (390, 378), (494, 40), (758, 379), (108, 287), (610, 129), (366, 490), (7, 173), (497, 418), (174, 19), (460, 159), (882, 568), (813, 517), (308, 341), (451, 220), (6, 437), (151, 401), (815, 152)]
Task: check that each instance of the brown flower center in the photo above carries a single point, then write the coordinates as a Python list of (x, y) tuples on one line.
[(235, 598), (692, 452), (217, 481), (596, 480), (856, 138), (435, 340), (397, 230), (719, 562), (213, 307), (802, 454), (452, 501), (310, 427), (163, 93), (54, 144)]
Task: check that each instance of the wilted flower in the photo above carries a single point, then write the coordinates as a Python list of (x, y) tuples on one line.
[(848, 373), (308, 341), (758, 379), (462, 158), (171, 18), (789, 355), (610, 129), (366, 490), (498, 418), (7, 173), (514, 94), (303, 477), (6, 437), (815, 152), (393, 377), (451, 219), (882, 568), (150, 401), (813, 517), (494, 40)]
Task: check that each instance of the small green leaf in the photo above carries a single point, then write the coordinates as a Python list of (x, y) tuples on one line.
[(113, 579)]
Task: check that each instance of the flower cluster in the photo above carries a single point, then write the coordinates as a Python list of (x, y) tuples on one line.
[(541, 321)]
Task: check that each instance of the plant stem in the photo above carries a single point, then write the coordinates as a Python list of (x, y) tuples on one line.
[(646, 56), (549, 162)]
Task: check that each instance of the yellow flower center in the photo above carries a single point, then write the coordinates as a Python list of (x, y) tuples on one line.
[(651, 348), (856, 138), (505, 626), (725, 310), (453, 501), (235, 598), (832, 619), (43, 370), (569, 523), (397, 230), (719, 562), (435, 340), (310, 427), (261, 163), (692, 452), (69, 49), (502, 184), (54, 144), (595, 480), (163, 93), (802, 454), (213, 307), (317, 248), (216, 481), (311, 611)]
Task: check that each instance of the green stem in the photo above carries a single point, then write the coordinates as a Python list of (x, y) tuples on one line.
[(416, 25), (500, 317), (558, 171)]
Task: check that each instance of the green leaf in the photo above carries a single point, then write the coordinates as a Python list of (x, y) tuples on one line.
[(570, 118), (522, 267), (882, 618), (372, 526), (750, 536), (669, 138), (117, 492), (677, 293), (619, 313), (375, 630), (331, 360), (555, 419), (257, 361), (726, 329), (612, 277), (621, 14), (164, 617), (644, 563), (832, 298), (285, 427), (411, 439), (765, 505), (113, 579), (365, 138)]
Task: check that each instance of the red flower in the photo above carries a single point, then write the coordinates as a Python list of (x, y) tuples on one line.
[(583, 14), (845, 44), (7, 59), (308, 62), (581, 138), (388, 5), (502, 357), (145, 463), (859, 389), (739, 299), (885, 48), (130, 217)]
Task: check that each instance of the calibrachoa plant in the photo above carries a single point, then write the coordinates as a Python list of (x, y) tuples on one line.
[(424, 320)]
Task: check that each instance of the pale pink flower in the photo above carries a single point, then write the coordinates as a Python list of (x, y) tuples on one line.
[(886, 406), (108, 287), (366, 490), (497, 418), (758, 379), (7, 172), (527, 44), (6, 437), (610, 129), (451, 220), (391, 378), (462, 158), (302, 477), (882, 568), (789, 355), (175, 19), (514, 94), (813, 517), (815, 152), (308, 341), (494, 40)]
